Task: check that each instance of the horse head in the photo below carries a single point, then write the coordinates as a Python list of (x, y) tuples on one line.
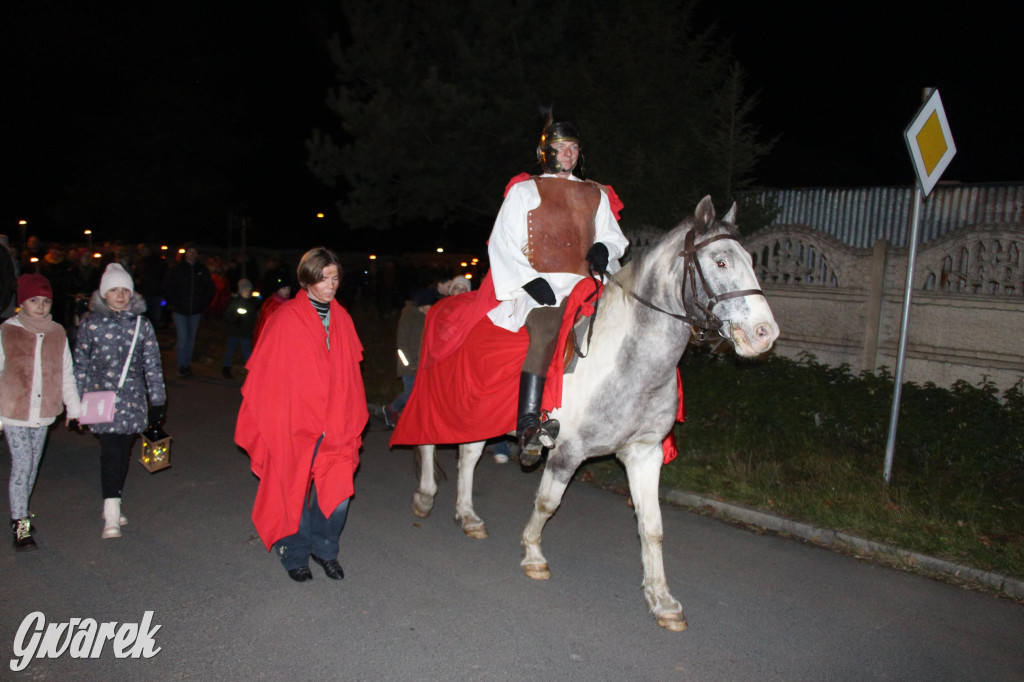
[(700, 273)]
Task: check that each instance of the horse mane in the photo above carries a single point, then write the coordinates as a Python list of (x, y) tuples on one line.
[(661, 256)]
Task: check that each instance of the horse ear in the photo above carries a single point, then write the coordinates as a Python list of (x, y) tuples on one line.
[(730, 217), (704, 215)]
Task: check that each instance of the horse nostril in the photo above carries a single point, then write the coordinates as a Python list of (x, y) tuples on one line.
[(763, 331)]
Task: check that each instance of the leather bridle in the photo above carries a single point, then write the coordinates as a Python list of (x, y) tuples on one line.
[(706, 321)]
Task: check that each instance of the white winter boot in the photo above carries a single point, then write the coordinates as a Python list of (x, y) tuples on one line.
[(111, 518), (123, 520)]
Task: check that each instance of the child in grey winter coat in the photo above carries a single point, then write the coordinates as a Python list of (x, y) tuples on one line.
[(101, 349), (36, 382)]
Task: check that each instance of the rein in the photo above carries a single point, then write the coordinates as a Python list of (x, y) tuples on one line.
[(579, 311), (692, 271)]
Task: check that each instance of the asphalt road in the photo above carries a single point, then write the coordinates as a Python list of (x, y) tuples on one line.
[(420, 601)]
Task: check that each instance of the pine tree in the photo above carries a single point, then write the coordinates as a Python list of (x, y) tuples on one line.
[(439, 105)]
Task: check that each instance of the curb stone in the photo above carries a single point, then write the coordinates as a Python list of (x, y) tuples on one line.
[(1011, 587)]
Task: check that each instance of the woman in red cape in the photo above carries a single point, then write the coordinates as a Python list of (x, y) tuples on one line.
[(303, 412)]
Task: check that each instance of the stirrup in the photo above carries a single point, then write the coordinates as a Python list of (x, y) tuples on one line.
[(548, 432), (535, 438)]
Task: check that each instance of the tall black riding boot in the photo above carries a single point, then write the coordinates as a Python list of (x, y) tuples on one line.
[(533, 435)]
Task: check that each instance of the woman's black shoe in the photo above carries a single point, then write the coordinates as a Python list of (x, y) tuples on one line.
[(300, 574), (331, 567)]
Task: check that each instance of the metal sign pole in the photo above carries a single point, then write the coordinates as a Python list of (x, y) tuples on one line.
[(915, 223), (931, 148)]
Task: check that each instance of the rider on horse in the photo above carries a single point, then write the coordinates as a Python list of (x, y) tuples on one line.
[(552, 231)]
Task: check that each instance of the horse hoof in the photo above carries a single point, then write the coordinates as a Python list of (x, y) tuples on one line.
[(474, 529), (674, 622), (537, 572), (422, 506), (476, 532)]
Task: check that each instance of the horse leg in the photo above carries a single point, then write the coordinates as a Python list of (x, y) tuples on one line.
[(549, 497), (643, 467), (423, 498), (465, 517)]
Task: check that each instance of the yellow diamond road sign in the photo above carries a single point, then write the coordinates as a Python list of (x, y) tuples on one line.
[(930, 142)]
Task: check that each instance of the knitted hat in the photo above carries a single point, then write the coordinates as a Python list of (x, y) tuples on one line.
[(115, 276), (31, 285), (459, 285)]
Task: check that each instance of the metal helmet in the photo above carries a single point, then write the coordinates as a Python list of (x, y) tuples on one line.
[(562, 131)]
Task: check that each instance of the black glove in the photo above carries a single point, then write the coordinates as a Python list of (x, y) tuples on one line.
[(598, 258), (156, 415), (74, 425), (540, 291)]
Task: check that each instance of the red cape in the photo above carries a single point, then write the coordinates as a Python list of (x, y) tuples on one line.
[(297, 390), (266, 310), (466, 389)]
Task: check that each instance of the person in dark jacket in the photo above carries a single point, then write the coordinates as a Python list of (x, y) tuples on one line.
[(57, 270), (409, 338), (240, 316), (149, 271), (188, 290), (8, 279)]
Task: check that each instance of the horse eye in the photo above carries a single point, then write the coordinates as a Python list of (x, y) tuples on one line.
[(720, 263)]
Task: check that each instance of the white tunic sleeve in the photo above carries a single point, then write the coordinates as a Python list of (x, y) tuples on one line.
[(510, 268)]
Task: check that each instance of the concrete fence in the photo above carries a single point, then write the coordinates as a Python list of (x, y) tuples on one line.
[(844, 304)]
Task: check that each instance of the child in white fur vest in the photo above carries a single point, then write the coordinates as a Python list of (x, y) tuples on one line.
[(37, 381)]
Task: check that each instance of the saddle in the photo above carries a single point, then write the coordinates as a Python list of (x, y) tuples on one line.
[(467, 382)]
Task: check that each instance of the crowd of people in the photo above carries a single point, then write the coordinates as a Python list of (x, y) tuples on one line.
[(83, 322), (79, 327)]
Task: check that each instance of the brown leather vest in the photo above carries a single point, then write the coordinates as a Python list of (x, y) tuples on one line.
[(561, 230)]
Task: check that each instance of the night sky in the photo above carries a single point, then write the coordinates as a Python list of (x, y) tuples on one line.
[(840, 82), (181, 95)]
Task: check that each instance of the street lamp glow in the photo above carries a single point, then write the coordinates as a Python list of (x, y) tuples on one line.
[(320, 215), (87, 232), (440, 250), (373, 257), (23, 222)]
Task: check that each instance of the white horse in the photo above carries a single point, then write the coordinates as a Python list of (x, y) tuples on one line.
[(622, 397)]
